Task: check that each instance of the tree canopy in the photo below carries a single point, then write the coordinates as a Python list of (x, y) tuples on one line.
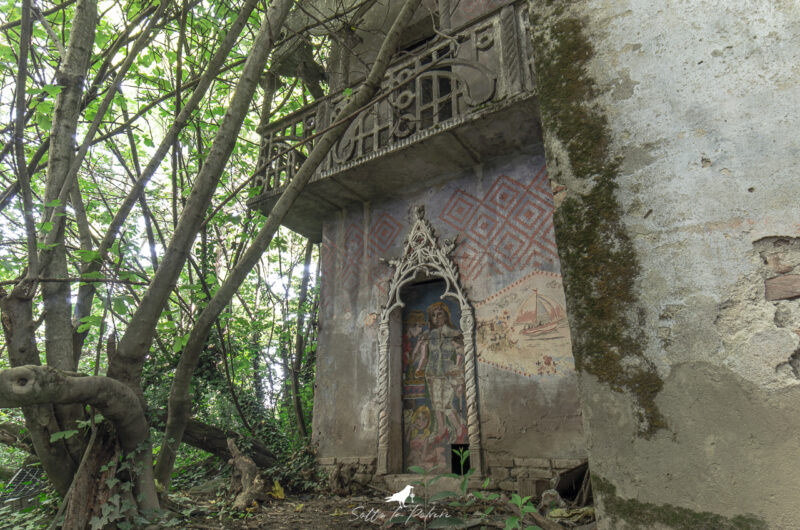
[(138, 290)]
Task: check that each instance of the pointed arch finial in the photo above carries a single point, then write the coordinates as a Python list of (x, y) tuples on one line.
[(422, 254)]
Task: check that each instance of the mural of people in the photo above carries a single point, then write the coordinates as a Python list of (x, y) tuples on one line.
[(418, 433), (414, 326), (434, 406), (441, 361)]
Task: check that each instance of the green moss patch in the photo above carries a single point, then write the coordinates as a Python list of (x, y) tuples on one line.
[(599, 264), (645, 515)]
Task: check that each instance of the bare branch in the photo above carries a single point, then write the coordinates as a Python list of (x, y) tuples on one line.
[(50, 33), (19, 144), (76, 280), (50, 11)]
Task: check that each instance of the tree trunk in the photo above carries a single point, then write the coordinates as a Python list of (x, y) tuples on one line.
[(90, 488), (252, 487), (29, 385), (56, 296), (135, 343), (299, 344), (180, 399), (18, 329), (214, 440), (87, 290)]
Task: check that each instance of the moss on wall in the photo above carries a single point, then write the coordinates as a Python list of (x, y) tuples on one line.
[(598, 260), (645, 515)]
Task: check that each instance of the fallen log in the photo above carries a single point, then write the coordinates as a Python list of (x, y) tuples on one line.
[(215, 441), (16, 436), (198, 434)]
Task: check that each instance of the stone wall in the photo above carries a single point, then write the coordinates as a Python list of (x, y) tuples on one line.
[(528, 476), (501, 215), (671, 137)]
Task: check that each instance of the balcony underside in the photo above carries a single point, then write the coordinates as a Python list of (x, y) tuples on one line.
[(427, 158)]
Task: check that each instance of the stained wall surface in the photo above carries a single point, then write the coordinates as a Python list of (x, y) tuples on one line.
[(501, 217), (671, 135)]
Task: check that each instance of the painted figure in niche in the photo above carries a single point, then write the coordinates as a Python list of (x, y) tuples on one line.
[(414, 326), (441, 362), (423, 451)]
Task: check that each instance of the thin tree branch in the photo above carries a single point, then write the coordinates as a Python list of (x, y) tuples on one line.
[(76, 280), (19, 144), (50, 11), (62, 52)]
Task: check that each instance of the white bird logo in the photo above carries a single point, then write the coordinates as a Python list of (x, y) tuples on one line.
[(401, 496)]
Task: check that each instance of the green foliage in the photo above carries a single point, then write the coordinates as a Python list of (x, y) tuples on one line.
[(62, 435), (240, 384), (35, 516), (194, 467), (522, 506), (298, 471)]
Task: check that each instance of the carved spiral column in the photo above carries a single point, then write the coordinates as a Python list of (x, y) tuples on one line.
[(423, 254), (383, 397), (470, 382)]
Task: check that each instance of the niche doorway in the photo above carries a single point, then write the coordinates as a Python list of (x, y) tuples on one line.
[(433, 389), (446, 338)]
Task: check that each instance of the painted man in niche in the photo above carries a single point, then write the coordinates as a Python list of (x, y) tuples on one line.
[(414, 325), (440, 351)]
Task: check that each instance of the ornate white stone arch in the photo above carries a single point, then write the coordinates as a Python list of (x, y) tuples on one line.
[(423, 256)]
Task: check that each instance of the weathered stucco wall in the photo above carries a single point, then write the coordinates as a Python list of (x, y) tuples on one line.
[(501, 215), (671, 138)]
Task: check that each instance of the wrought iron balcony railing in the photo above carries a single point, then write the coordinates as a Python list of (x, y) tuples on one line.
[(439, 86)]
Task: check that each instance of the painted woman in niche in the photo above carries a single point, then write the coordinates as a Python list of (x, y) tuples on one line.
[(441, 362)]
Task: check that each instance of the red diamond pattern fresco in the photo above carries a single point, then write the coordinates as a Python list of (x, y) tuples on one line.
[(511, 228), (345, 263), (459, 210), (352, 255), (383, 233)]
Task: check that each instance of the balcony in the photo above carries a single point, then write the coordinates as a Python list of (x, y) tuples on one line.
[(448, 105)]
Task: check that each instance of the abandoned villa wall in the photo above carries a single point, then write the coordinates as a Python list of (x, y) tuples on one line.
[(501, 215), (672, 153), (671, 137)]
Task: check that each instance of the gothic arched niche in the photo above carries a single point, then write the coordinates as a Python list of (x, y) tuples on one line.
[(442, 352)]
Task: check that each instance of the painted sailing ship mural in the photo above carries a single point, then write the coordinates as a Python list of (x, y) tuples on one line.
[(523, 328), (539, 314)]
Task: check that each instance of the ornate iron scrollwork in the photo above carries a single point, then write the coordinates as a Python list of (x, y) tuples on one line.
[(437, 86)]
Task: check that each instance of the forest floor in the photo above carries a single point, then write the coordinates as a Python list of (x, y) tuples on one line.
[(315, 511), (204, 499)]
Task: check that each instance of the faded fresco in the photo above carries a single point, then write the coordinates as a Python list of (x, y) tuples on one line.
[(523, 328), (434, 405), (502, 224)]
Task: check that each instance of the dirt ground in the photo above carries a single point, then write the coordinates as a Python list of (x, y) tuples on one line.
[(319, 512)]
